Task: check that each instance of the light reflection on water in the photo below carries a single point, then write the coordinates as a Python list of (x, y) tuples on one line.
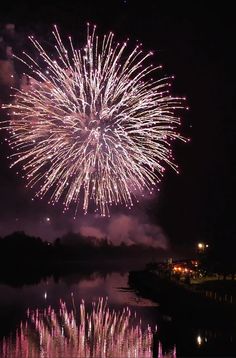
[(207, 338), (95, 331)]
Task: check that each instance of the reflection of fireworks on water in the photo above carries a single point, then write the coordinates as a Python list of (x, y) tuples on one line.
[(92, 125), (99, 333)]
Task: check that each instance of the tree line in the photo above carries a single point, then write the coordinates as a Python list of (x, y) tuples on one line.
[(20, 247)]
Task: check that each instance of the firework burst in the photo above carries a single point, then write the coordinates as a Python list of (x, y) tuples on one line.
[(91, 126)]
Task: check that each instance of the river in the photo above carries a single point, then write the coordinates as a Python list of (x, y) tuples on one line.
[(94, 315)]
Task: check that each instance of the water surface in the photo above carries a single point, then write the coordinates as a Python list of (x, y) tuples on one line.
[(96, 314)]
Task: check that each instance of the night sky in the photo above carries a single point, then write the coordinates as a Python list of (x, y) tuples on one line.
[(196, 44)]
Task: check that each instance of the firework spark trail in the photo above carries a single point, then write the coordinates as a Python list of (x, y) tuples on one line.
[(92, 126), (99, 333)]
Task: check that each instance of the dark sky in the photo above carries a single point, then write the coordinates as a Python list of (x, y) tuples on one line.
[(194, 42)]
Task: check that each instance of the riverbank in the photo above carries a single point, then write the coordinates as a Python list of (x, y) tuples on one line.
[(181, 301), (17, 274)]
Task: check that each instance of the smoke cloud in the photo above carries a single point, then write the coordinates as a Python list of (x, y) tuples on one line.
[(129, 229)]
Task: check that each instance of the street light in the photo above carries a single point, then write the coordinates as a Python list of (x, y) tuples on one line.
[(202, 246)]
